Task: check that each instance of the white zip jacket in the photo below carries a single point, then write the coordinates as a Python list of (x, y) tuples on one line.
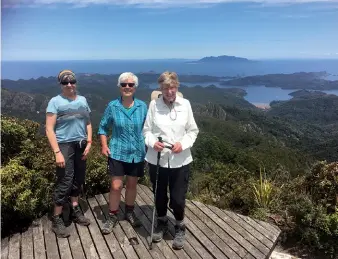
[(177, 125)]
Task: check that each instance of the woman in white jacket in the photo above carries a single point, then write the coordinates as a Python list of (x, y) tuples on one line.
[(170, 117)]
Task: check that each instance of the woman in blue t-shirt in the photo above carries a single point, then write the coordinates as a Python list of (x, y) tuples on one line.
[(126, 151), (69, 131)]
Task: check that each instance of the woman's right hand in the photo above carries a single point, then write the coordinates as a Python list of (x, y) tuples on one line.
[(158, 146), (60, 160), (105, 151)]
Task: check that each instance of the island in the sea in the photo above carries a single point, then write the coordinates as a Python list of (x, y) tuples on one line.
[(222, 59), (299, 80)]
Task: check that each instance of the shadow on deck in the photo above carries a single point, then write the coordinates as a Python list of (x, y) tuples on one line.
[(211, 233)]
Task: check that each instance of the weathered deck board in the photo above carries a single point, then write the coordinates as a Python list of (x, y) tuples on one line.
[(189, 252), (87, 242), (195, 244), (75, 243), (95, 232), (120, 248), (50, 240), (188, 247), (258, 227), (201, 231), (38, 241), (27, 243), (142, 234), (249, 243), (4, 248), (211, 233), (167, 238), (248, 228), (234, 249), (14, 246), (159, 250)]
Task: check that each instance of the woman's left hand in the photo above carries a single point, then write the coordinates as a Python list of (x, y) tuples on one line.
[(177, 147), (86, 151)]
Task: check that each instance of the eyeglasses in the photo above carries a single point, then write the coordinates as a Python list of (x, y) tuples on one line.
[(125, 84), (72, 82)]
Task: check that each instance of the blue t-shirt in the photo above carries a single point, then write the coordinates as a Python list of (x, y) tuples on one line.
[(72, 117)]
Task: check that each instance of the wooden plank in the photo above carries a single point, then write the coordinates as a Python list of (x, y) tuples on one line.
[(244, 238), (158, 248), (4, 248), (64, 248), (250, 256), (258, 227), (140, 249), (155, 253), (164, 245), (87, 242), (27, 250), (148, 212), (234, 249), (268, 227), (249, 228), (200, 250), (200, 231), (116, 240), (38, 241), (14, 246), (50, 239), (189, 250), (95, 232), (75, 243)]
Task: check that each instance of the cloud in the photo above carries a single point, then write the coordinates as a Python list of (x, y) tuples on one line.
[(153, 3)]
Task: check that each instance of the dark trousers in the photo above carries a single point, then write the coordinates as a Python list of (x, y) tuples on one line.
[(178, 179), (72, 176)]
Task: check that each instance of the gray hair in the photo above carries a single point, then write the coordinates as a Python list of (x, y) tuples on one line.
[(168, 79), (125, 76)]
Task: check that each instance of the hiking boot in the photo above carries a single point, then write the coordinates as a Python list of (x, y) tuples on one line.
[(109, 224), (78, 217), (58, 227), (160, 230), (179, 237), (132, 219)]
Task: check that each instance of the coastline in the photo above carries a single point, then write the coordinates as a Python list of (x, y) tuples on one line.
[(264, 106)]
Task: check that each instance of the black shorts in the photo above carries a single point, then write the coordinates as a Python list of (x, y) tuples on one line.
[(119, 168)]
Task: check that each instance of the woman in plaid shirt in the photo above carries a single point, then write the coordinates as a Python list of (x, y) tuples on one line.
[(126, 151)]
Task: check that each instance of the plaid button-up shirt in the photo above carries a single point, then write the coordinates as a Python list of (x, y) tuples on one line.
[(127, 141)]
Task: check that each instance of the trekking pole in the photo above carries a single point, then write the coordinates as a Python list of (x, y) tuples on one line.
[(154, 208)]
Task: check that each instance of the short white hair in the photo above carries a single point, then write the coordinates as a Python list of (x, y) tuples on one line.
[(125, 76)]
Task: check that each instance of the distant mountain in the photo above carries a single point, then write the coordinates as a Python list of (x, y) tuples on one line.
[(224, 58)]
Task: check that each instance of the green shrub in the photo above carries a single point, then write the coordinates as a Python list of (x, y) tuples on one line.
[(322, 184), (25, 194), (13, 133), (314, 227)]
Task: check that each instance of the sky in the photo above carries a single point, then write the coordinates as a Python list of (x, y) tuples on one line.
[(162, 29)]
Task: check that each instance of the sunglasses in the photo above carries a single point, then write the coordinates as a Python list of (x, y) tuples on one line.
[(72, 82), (125, 84)]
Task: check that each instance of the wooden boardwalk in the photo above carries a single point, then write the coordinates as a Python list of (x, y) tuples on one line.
[(211, 233)]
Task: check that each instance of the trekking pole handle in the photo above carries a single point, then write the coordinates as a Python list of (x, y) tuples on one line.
[(159, 153)]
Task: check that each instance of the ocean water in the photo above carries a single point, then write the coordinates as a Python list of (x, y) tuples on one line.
[(33, 69)]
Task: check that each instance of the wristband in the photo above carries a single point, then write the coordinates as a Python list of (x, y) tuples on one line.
[(57, 151), (89, 141)]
